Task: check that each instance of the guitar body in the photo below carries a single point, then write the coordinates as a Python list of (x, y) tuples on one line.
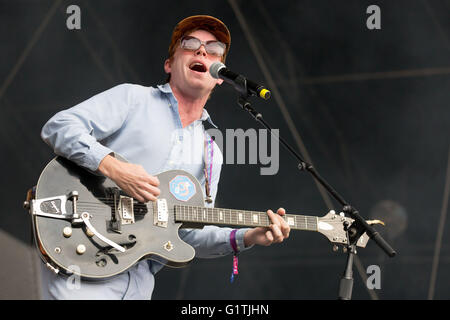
[(85, 225), (85, 254)]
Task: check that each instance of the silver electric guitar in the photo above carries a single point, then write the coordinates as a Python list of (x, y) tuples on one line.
[(84, 220)]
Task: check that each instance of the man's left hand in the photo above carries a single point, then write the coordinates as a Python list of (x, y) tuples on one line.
[(265, 236)]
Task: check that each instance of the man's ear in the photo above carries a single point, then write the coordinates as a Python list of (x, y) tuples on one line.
[(167, 66)]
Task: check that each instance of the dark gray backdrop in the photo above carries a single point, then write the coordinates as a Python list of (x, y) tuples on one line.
[(370, 106)]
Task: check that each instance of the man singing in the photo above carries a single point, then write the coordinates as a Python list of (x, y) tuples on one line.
[(156, 129)]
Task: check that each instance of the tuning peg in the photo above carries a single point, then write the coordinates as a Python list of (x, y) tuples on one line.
[(335, 248)]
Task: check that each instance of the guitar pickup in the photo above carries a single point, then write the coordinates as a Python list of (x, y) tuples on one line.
[(123, 211), (161, 214), (126, 210)]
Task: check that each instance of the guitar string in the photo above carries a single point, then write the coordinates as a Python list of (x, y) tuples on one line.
[(225, 211), (232, 217), (208, 210), (143, 205), (232, 220)]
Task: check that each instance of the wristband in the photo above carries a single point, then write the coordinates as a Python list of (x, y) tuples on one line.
[(235, 258)]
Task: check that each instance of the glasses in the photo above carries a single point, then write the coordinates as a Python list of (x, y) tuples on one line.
[(213, 47)]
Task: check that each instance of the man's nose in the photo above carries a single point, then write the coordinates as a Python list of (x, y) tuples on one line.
[(201, 51)]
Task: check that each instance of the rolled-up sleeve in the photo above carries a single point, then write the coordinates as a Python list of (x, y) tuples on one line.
[(76, 133)]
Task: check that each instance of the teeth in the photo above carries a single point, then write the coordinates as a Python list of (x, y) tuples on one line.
[(196, 64)]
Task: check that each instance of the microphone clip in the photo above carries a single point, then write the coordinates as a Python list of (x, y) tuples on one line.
[(247, 106), (240, 84)]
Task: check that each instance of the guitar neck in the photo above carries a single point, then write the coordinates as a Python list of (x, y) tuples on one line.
[(243, 218)]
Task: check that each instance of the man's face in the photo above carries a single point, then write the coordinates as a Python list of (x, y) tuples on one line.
[(189, 70)]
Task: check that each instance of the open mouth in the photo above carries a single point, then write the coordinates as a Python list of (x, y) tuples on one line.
[(197, 66)]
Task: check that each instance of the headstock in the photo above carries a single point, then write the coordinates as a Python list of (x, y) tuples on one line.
[(332, 226)]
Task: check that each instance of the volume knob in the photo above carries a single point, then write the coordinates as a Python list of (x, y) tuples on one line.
[(67, 232), (81, 248)]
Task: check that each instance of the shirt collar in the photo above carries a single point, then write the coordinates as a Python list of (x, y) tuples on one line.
[(205, 116), (165, 88)]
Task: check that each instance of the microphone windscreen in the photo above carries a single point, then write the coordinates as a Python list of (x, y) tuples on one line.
[(215, 68)]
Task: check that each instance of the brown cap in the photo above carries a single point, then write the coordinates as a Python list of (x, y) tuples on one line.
[(207, 23)]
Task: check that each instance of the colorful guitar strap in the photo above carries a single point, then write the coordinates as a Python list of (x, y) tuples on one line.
[(209, 153)]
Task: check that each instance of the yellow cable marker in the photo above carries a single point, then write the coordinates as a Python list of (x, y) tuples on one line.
[(265, 94)]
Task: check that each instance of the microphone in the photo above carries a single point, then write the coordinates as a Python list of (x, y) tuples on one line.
[(219, 71)]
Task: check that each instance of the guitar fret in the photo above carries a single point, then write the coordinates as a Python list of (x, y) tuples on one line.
[(290, 221), (262, 218), (241, 217)]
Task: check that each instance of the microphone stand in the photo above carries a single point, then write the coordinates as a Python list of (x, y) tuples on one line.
[(355, 230)]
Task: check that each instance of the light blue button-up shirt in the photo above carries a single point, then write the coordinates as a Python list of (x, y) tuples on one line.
[(143, 125)]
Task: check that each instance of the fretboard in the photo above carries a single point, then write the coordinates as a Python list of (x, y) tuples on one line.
[(244, 218)]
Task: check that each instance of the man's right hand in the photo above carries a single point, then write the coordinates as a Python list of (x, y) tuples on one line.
[(131, 178)]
